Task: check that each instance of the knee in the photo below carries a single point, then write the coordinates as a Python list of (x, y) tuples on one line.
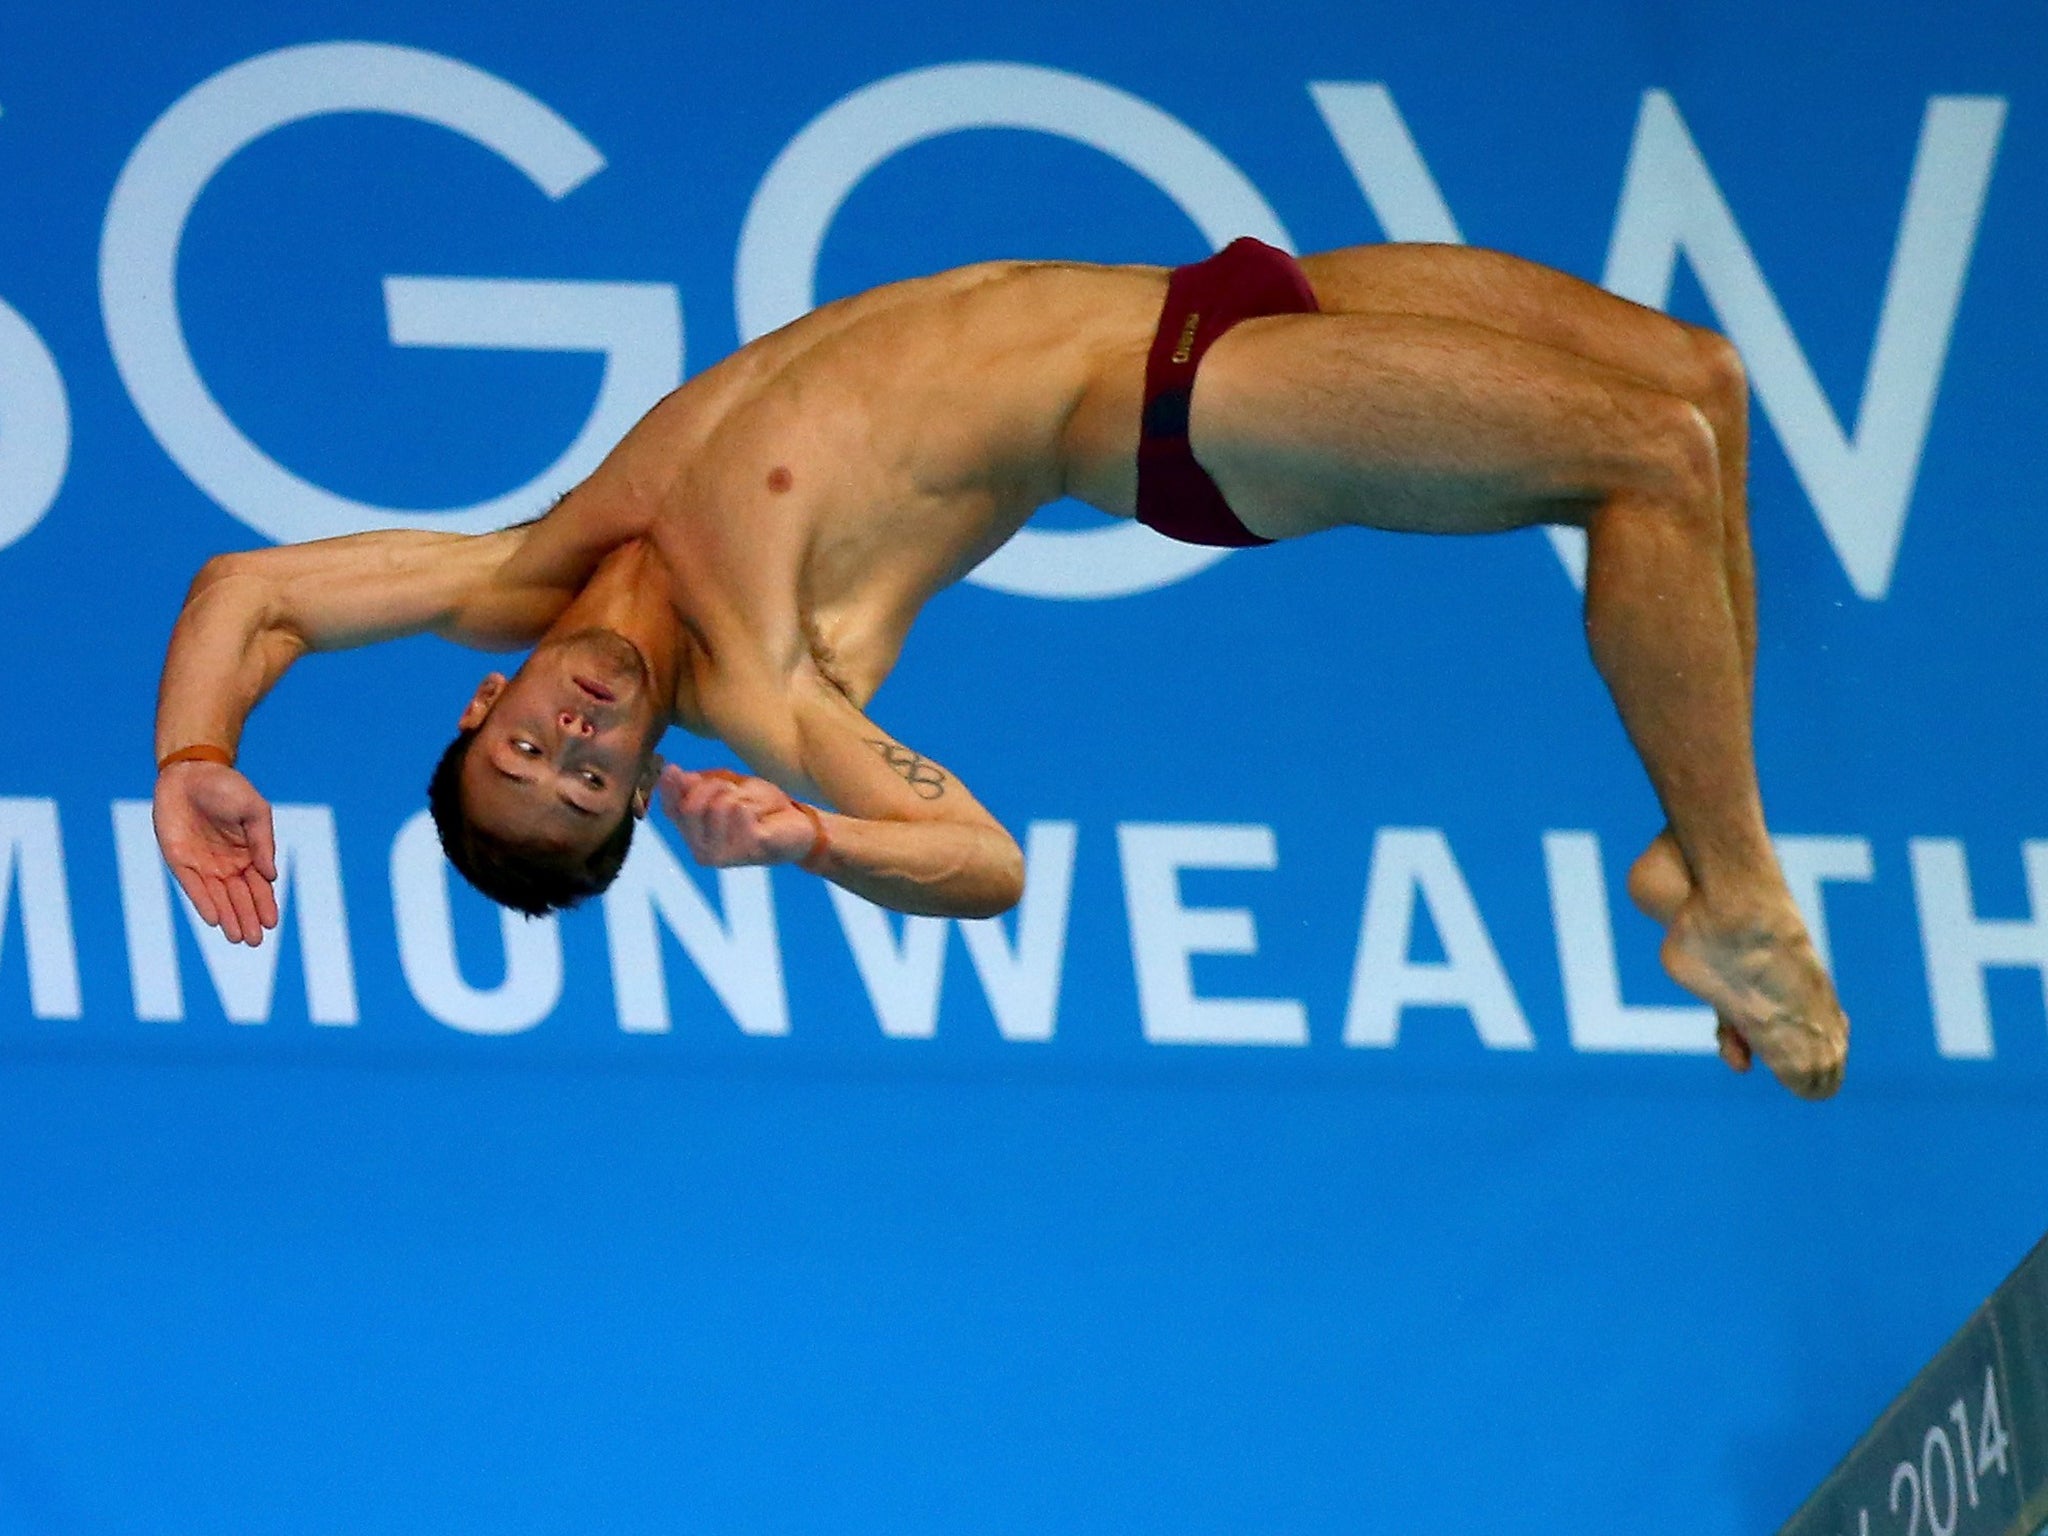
[(1675, 464), (1720, 384)]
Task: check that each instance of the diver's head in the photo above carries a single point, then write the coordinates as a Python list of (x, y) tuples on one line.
[(536, 798)]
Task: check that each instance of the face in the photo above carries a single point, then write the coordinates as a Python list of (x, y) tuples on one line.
[(563, 748)]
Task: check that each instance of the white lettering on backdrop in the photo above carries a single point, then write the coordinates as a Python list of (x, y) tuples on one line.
[(637, 326)]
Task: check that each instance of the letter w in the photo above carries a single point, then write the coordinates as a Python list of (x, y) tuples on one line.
[(1859, 484)]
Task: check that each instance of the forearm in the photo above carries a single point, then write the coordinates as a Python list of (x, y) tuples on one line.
[(225, 653), (932, 868), (905, 834)]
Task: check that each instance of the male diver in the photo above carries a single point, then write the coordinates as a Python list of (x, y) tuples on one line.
[(749, 559)]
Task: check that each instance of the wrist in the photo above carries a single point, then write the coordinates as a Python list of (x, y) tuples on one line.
[(812, 859), (198, 752)]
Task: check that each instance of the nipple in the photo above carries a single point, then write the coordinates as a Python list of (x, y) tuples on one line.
[(780, 479)]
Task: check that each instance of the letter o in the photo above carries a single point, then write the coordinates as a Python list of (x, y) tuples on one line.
[(785, 227)]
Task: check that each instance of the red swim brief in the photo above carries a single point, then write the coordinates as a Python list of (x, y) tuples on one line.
[(1245, 279)]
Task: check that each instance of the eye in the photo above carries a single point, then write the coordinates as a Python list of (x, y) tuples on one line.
[(525, 748), (594, 780)]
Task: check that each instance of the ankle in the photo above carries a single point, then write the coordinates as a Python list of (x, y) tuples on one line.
[(1745, 914)]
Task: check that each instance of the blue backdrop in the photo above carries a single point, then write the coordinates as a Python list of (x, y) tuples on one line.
[(1320, 1147)]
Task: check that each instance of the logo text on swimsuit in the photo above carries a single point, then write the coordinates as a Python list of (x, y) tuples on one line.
[(1187, 338)]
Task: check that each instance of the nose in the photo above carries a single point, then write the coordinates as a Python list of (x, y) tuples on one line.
[(575, 724)]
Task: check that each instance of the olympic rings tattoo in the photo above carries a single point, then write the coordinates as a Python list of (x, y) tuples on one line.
[(926, 779)]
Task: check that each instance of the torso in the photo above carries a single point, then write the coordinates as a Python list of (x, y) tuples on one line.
[(812, 491)]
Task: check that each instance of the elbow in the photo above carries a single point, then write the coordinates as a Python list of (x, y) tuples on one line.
[(241, 577), (240, 591), (218, 571), (1001, 886)]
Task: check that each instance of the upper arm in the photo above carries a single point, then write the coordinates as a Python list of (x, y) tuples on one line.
[(815, 743), (333, 594)]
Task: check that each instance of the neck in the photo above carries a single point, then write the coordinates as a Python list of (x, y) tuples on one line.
[(628, 594)]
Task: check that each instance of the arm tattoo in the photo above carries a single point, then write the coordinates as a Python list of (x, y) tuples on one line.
[(927, 780)]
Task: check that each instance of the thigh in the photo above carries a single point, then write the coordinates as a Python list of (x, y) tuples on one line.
[(1506, 293), (1416, 424)]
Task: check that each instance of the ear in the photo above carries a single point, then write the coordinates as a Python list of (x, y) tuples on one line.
[(480, 702), (643, 788)]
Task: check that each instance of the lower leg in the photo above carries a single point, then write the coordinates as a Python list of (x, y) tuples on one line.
[(1665, 635), (1731, 437), (1664, 630), (1659, 882)]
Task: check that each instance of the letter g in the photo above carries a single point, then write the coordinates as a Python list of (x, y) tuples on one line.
[(637, 326)]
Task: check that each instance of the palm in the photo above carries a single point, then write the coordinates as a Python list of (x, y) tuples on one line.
[(215, 831)]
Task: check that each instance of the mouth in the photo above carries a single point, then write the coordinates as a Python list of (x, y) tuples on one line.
[(596, 690)]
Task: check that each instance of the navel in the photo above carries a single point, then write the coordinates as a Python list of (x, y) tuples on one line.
[(780, 479)]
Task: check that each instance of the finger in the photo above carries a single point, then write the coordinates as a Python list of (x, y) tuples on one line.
[(223, 909), (701, 786), (688, 815), (766, 799), (671, 798), (263, 848), (194, 886), (245, 914), (701, 795), (266, 898), (692, 828), (736, 833), (711, 852), (732, 815), (714, 831), (739, 829)]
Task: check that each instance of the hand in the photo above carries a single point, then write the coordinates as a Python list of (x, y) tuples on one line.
[(729, 819), (214, 829)]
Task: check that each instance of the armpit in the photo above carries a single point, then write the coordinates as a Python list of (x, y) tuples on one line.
[(827, 661)]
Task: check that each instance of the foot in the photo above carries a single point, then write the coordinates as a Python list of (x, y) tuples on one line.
[(1768, 988), (1660, 884)]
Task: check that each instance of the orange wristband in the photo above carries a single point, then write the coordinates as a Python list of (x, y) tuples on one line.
[(819, 841), (198, 752)]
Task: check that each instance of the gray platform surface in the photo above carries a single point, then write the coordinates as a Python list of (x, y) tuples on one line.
[(1963, 1451)]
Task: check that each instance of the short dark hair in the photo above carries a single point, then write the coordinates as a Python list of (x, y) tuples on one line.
[(511, 875)]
